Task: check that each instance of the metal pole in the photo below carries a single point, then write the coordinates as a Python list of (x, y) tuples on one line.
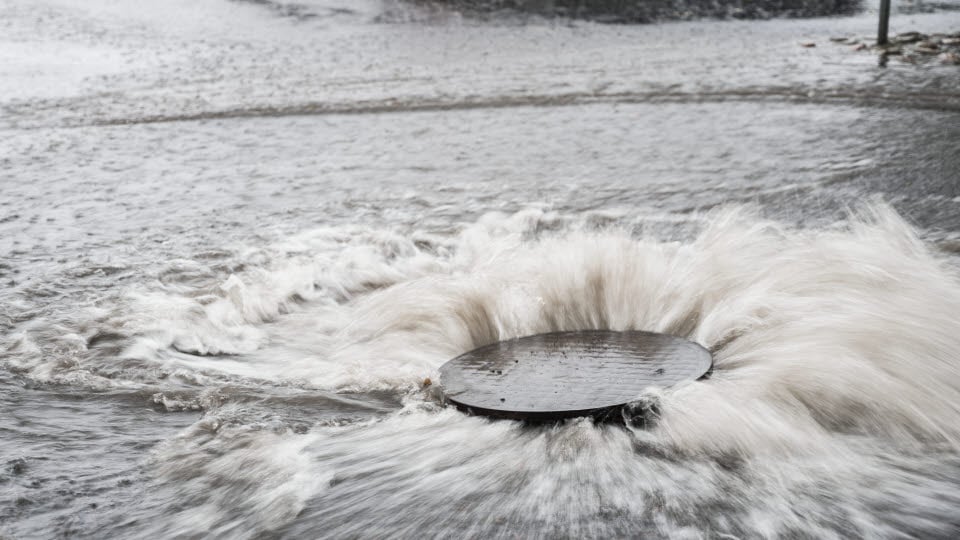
[(884, 22)]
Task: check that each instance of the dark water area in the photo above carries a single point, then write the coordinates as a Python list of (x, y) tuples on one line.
[(635, 11), (236, 237), (643, 12)]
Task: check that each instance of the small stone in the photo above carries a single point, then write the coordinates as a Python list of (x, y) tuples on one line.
[(427, 382), (807, 44), (928, 45), (859, 46), (908, 37), (925, 50), (839, 39), (950, 41)]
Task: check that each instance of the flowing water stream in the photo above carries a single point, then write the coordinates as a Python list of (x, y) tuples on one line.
[(235, 238)]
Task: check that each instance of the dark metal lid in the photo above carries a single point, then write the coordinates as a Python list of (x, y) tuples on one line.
[(568, 374)]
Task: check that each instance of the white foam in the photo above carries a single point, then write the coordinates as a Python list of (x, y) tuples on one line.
[(836, 370), (813, 331)]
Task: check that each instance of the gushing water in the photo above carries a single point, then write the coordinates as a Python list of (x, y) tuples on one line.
[(831, 411), (220, 295)]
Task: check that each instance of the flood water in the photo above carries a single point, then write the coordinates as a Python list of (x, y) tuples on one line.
[(235, 237)]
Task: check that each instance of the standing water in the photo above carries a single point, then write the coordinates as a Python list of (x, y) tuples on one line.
[(236, 237)]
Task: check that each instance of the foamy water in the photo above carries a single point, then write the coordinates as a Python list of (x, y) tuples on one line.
[(220, 294), (831, 411)]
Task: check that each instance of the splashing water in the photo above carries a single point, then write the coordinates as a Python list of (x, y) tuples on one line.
[(832, 410), (186, 352)]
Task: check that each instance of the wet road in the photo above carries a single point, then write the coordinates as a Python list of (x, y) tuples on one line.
[(233, 238)]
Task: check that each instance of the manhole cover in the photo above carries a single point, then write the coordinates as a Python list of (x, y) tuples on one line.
[(567, 374)]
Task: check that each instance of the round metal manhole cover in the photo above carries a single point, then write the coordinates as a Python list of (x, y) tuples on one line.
[(568, 374)]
